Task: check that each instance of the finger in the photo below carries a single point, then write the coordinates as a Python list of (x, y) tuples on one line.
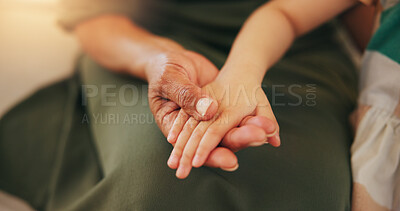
[(248, 133), (264, 109), (275, 140), (183, 171), (268, 125), (273, 137), (213, 136), (223, 158), (244, 136), (177, 127), (165, 113), (185, 164), (193, 143), (183, 137), (177, 87)]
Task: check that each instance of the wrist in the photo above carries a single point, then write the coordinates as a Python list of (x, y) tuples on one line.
[(248, 74), (160, 63), (233, 82), (154, 66), (150, 56)]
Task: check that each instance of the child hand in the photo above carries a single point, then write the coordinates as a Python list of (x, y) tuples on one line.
[(237, 99)]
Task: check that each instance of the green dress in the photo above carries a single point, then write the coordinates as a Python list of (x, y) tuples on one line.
[(65, 149)]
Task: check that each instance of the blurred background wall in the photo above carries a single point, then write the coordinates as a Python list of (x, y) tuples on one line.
[(34, 50)]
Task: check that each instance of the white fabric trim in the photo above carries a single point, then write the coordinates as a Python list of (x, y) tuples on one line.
[(376, 157), (379, 81)]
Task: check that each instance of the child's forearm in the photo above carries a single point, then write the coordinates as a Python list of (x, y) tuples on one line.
[(272, 28), (263, 39)]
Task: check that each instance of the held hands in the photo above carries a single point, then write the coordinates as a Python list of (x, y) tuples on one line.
[(175, 76), (174, 83), (239, 98)]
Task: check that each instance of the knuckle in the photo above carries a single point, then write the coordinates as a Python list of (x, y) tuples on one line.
[(202, 151), (168, 75), (213, 131), (192, 123), (197, 136), (186, 157), (186, 95), (173, 67), (177, 150)]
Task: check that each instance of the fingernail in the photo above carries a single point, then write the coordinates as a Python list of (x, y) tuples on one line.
[(272, 134), (231, 169), (202, 105), (173, 160), (256, 144)]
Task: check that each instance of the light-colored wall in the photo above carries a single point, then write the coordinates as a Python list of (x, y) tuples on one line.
[(34, 50)]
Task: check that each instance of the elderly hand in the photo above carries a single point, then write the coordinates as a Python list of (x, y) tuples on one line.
[(175, 76)]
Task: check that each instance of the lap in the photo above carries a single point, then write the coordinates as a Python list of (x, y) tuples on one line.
[(127, 153), (310, 170)]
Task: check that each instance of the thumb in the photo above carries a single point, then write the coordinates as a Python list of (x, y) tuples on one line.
[(179, 89)]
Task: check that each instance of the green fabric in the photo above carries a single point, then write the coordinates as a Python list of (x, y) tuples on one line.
[(386, 40), (123, 167), (56, 154), (45, 149)]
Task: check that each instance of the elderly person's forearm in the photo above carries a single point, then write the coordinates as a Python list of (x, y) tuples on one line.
[(122, 46)]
